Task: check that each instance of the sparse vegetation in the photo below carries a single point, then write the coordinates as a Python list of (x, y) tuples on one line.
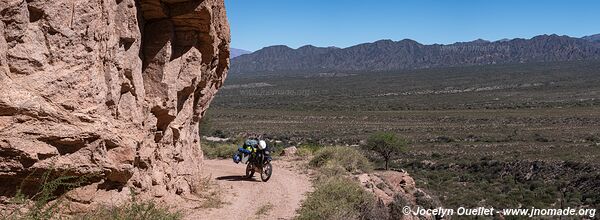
[(133, 210), (509, 184), (456, 119), (46, 202), (338, 195), (337, 198), (515, 86), (347, 159), (209, 192), (205, 126), (312, 147), (214, 150), (264, 209), (42, 202), (304, 152)]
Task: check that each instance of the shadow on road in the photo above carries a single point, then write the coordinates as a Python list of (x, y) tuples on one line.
[(236, 178)]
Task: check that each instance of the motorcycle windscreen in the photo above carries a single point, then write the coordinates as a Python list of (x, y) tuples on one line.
[(245, 158)]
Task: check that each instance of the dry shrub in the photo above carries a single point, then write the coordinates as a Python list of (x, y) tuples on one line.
[(348, 158), (340, 198)]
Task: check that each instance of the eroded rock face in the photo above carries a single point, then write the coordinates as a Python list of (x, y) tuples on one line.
[(109, 89)]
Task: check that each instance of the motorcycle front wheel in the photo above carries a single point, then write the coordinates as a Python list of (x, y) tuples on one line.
[(249, 170), (267, 170)]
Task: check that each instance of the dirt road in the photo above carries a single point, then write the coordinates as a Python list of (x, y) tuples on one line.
[(251, 198)]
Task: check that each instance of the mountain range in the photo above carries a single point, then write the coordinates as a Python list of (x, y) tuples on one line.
[(388, 55), (234, 52), (595, 38)]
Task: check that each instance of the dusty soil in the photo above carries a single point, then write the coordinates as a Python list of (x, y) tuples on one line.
[(244, 197)]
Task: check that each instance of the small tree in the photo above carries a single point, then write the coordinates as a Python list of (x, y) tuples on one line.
[(386, 145)]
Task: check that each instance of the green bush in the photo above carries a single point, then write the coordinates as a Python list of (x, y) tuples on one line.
[(340, 198), (213, 150), (350, 159)]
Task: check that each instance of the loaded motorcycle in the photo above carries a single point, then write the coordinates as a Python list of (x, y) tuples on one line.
[(259, 161)]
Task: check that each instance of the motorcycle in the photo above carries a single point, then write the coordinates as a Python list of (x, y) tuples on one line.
[(261, 163), (257, 157)]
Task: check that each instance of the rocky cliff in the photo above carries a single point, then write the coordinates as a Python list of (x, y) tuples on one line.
[(387, 55), (110, 90)]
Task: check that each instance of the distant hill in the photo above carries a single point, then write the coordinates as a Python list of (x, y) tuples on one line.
[(234, 52), (387, 55)]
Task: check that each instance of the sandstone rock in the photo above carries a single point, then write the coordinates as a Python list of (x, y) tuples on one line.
[(110, 89), (398, 181), (290, 151), (393, 187), (387, 184)]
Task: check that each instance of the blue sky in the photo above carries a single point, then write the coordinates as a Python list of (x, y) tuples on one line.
[(342, 23)]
